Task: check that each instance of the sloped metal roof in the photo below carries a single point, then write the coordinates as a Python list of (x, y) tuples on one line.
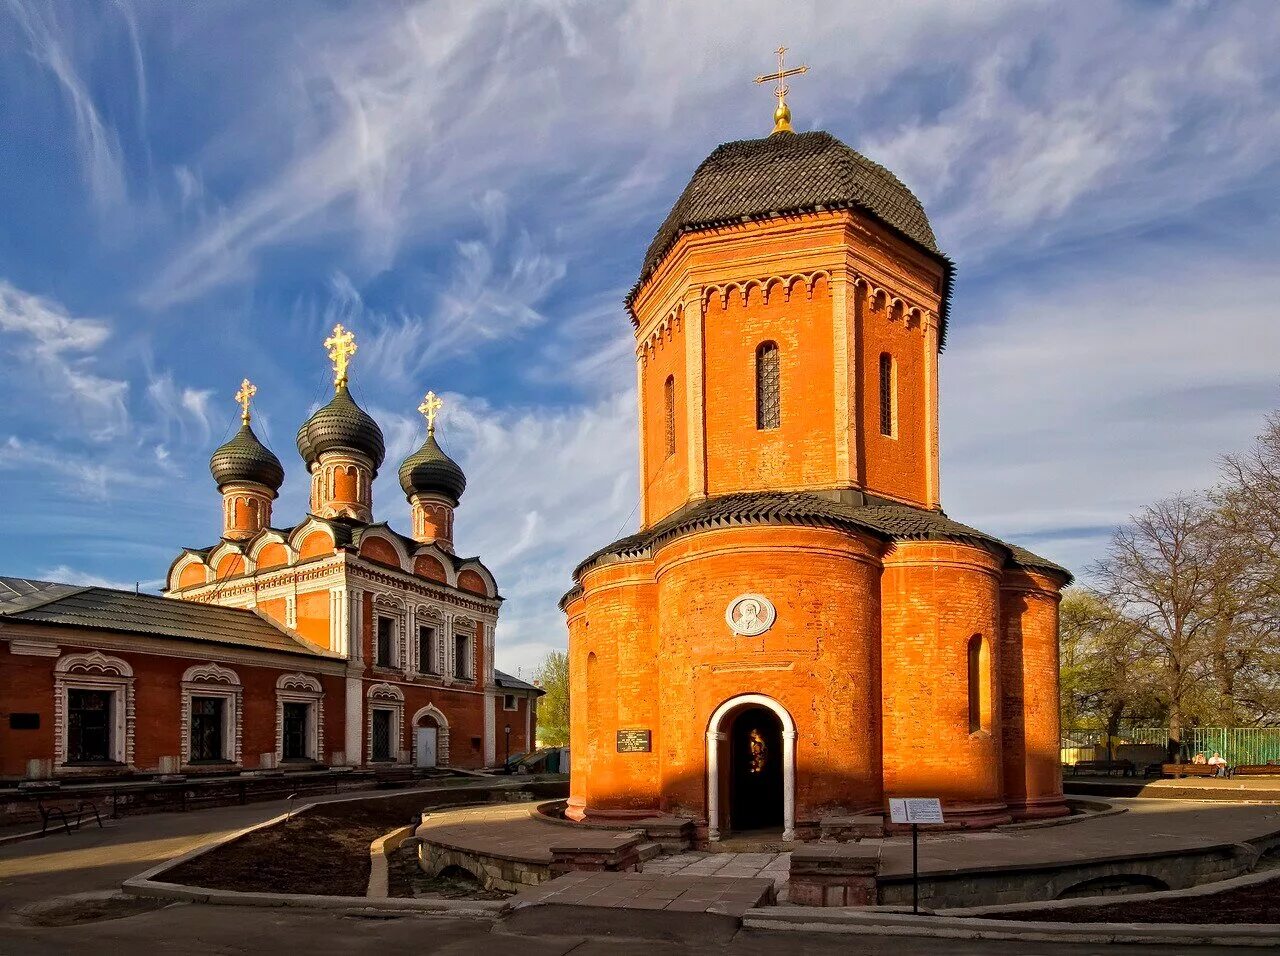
[(108, 609)]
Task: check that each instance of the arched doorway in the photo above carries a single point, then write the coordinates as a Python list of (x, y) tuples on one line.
[(755, 770), (430, 738), (751, 767)]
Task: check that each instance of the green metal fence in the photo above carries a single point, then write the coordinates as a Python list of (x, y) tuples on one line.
[(1238, 745)]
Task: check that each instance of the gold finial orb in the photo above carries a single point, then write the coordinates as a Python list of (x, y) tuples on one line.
[(782, 115), (244, 397), (341, 345), (429, 408)]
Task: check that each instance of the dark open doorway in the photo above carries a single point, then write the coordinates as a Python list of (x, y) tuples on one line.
[(755, 774)]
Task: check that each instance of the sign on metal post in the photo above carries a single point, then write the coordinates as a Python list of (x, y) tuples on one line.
[(915, 811)]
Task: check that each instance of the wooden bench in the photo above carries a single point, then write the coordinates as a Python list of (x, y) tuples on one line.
[(1124, 768), (1176, 770), (1257, 770), (48, 812)]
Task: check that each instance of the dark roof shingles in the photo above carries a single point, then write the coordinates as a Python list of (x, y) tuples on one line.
[(789, 173), (108, 609)]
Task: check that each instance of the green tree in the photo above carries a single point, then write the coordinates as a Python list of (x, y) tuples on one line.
[(553, 709)]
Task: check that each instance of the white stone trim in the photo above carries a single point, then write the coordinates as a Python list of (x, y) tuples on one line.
[(442, 735), (95, 671), (386, 697), (301, 688), (490, 728), (214, 680), (33, 648), (715, 735)]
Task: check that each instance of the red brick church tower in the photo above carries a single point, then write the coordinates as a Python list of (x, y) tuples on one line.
[(798, 630)]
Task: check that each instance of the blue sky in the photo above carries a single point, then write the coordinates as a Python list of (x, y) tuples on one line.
[(194, 193)]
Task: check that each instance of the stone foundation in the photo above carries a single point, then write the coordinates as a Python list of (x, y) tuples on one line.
[(835, 874)]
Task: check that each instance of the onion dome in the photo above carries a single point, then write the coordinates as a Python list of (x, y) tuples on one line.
[(430, 471), (342, 425), (788, 174), (244, 458)]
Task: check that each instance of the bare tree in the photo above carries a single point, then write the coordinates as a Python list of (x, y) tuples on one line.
[(1161, 574)]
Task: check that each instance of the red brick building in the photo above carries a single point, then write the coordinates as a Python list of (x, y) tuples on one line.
[(333, 641), (798, 630)]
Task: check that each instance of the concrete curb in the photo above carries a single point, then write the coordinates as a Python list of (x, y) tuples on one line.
[(1202, 889), (798, 919), (146, 884), (379, 865), (479, 909)]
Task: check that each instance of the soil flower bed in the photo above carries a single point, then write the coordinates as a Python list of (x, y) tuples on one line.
[(324, 851)]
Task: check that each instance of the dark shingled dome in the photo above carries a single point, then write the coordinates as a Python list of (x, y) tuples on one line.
[(244, 458), (342, 425), (785, 174), (429, 470)]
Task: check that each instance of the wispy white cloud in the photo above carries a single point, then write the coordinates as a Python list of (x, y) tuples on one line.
[(64, 574), (92, 479), (1077, 402), (181, 408), (97, 142), (60, 349)]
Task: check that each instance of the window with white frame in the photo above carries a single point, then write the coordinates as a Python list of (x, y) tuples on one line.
[(384, 639), (93, 710), (211, 718), (386, 716), (299, 718), (462, 655), (427, 663), (509, 702)]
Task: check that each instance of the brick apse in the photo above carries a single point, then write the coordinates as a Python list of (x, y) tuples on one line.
[(798, 630)]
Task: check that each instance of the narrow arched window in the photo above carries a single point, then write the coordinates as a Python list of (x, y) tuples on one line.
[(768, 387), (888, 396), (979, 685), (669, 413)]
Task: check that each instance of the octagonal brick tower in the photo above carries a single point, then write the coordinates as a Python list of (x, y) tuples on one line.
[(797, 630)]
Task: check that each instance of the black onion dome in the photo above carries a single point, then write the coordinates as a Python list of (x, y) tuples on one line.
[(244, 458), (342, 425), (785, 174), (430, 470)]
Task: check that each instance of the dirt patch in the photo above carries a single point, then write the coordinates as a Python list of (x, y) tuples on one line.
[(1256, 903), (324, 851), (72, 912), (406, 879)]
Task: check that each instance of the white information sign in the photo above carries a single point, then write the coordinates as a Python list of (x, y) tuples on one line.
[(915, 810)]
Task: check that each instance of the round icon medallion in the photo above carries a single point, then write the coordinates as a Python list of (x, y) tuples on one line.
[(750, 614)]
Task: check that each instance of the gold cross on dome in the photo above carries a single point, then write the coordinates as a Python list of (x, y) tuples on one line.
[(341, 345), (782, 115), (430, 406), (244, 397)]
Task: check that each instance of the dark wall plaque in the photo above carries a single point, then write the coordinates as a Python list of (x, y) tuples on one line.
[(635, 741), (24, 721)]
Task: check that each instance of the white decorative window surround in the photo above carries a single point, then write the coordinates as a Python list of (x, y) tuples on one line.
[(430, 616), (387, 605), (214, 680), (95, 671), (301, 689), (442, 733), (386, 697)]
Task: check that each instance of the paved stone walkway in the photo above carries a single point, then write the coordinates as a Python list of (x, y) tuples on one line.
[(767, 866), (726, 896)]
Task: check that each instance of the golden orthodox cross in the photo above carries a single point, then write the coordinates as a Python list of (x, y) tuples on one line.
[(429, 407), (244, 397), (782, 115), (341, 345)]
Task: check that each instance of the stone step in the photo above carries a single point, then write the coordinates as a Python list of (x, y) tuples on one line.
[(648, 851)]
